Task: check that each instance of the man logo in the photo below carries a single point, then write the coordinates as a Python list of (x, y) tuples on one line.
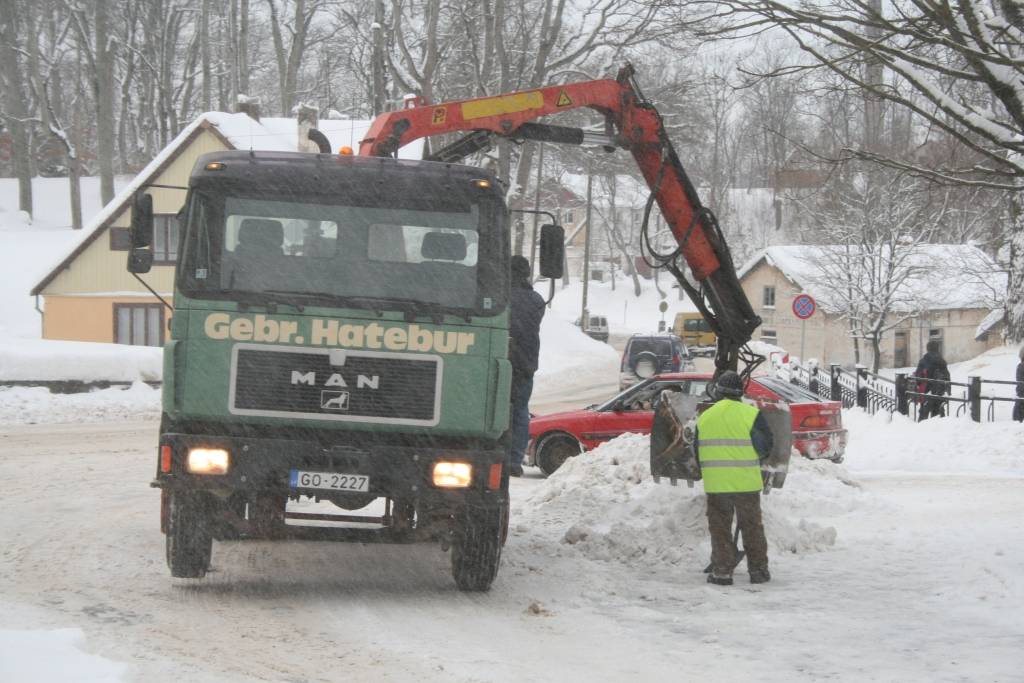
[(334, 400)]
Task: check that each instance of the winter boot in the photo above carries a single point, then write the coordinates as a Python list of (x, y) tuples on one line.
[(760, 576), (719, 580), (515, 470)]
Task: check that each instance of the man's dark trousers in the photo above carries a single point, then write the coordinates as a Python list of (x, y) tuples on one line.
[(748, 514), (522, 387)]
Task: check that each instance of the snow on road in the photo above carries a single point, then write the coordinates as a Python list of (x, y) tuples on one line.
[(878, 575)]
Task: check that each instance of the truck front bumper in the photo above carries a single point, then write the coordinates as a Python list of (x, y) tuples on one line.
[(260, 469)]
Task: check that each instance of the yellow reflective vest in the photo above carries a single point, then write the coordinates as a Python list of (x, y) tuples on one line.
[(728, 461)]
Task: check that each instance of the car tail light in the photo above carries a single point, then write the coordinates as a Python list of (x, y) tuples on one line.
[(820, 421)]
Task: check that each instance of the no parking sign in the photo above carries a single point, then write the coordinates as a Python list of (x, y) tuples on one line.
[(804, 306)]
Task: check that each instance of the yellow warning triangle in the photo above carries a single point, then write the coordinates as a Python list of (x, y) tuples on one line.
[(563, 100)]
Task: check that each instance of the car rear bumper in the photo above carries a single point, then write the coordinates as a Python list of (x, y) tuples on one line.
[(829, 445)]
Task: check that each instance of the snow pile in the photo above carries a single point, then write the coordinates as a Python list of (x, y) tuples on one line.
[(28, 250), (48, 360), (627, 313), (567, 356), (31, 405), (51, 656), (606, 505), (946, 445)]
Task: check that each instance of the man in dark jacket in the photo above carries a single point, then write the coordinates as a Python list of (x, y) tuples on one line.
[(733, 439), (932, 374), (526, 312), (1018, 407)]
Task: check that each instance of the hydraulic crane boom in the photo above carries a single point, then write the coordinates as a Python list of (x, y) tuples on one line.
[(632, 123)]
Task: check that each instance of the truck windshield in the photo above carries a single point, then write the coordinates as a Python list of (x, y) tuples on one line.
[(439, 252)]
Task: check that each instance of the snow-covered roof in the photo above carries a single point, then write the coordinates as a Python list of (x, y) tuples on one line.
[(239, 131), (941, 276), (995, 316), (271, 134)]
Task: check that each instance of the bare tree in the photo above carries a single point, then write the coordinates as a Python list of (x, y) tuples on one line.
[(957, 65), (15, 114), (875, 223)]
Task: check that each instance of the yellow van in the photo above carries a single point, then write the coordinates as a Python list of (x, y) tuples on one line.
[(693, 329)]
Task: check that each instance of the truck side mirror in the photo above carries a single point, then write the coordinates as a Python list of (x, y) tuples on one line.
[(552, 250), (140, 257)]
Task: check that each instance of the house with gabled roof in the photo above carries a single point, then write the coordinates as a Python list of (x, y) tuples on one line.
[(947, 299), (88, 294)]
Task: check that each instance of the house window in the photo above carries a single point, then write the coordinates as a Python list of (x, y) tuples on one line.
[(568, 216), (935, 335), (165, 239), (768, 299), (120, 239), (769, 336), (139, 324)]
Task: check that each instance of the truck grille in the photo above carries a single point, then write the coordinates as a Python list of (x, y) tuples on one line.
[(335, 384)]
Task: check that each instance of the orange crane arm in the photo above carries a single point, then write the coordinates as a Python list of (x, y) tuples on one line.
[(631, 123)]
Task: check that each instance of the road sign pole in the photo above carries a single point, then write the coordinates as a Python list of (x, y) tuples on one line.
[(803, 335), (804, 306)]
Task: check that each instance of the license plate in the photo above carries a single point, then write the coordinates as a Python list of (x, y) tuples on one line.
[(331, 481)]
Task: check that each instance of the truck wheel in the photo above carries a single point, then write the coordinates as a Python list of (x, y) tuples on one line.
[(189, 537), (554, 450), (476, 552)]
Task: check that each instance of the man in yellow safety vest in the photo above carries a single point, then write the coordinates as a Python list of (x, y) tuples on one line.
[(732, 440)]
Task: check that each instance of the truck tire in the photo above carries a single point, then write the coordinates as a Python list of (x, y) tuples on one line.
[(554, 449), (476, 552), (189, 536)]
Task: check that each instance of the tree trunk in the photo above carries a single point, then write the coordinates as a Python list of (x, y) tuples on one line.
[(876, 353), (103, 90), (1015, 290), (379, 97), (14, 102), (204, 46), (243, 47)]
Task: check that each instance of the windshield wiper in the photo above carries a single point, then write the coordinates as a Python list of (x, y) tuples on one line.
[(410, 309), (269, 299)]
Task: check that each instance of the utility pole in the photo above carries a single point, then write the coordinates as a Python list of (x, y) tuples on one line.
[(584, 318)]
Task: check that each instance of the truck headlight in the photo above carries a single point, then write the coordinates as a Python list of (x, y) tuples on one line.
[(452, 475), (208, 461)]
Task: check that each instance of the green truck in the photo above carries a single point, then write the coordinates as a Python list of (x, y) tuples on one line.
[(339, 333)]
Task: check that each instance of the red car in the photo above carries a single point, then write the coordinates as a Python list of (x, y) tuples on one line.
[(817, 424)]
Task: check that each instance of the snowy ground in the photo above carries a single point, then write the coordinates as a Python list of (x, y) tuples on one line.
[(886, 570), (900, 565)]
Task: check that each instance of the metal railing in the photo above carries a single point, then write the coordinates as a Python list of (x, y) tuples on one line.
[(903, 394)]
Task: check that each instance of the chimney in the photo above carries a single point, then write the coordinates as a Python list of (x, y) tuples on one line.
[(248, 105), (308, 118)]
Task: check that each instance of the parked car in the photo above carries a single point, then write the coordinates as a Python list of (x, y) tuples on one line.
[(694, 330), (647, 355), (817, 424), (596, 328)]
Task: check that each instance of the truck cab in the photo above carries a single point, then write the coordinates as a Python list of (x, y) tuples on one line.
[(340, 332)]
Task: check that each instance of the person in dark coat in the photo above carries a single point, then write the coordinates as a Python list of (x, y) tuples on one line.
[(1018, 407), (526, 312), (932, 374)]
